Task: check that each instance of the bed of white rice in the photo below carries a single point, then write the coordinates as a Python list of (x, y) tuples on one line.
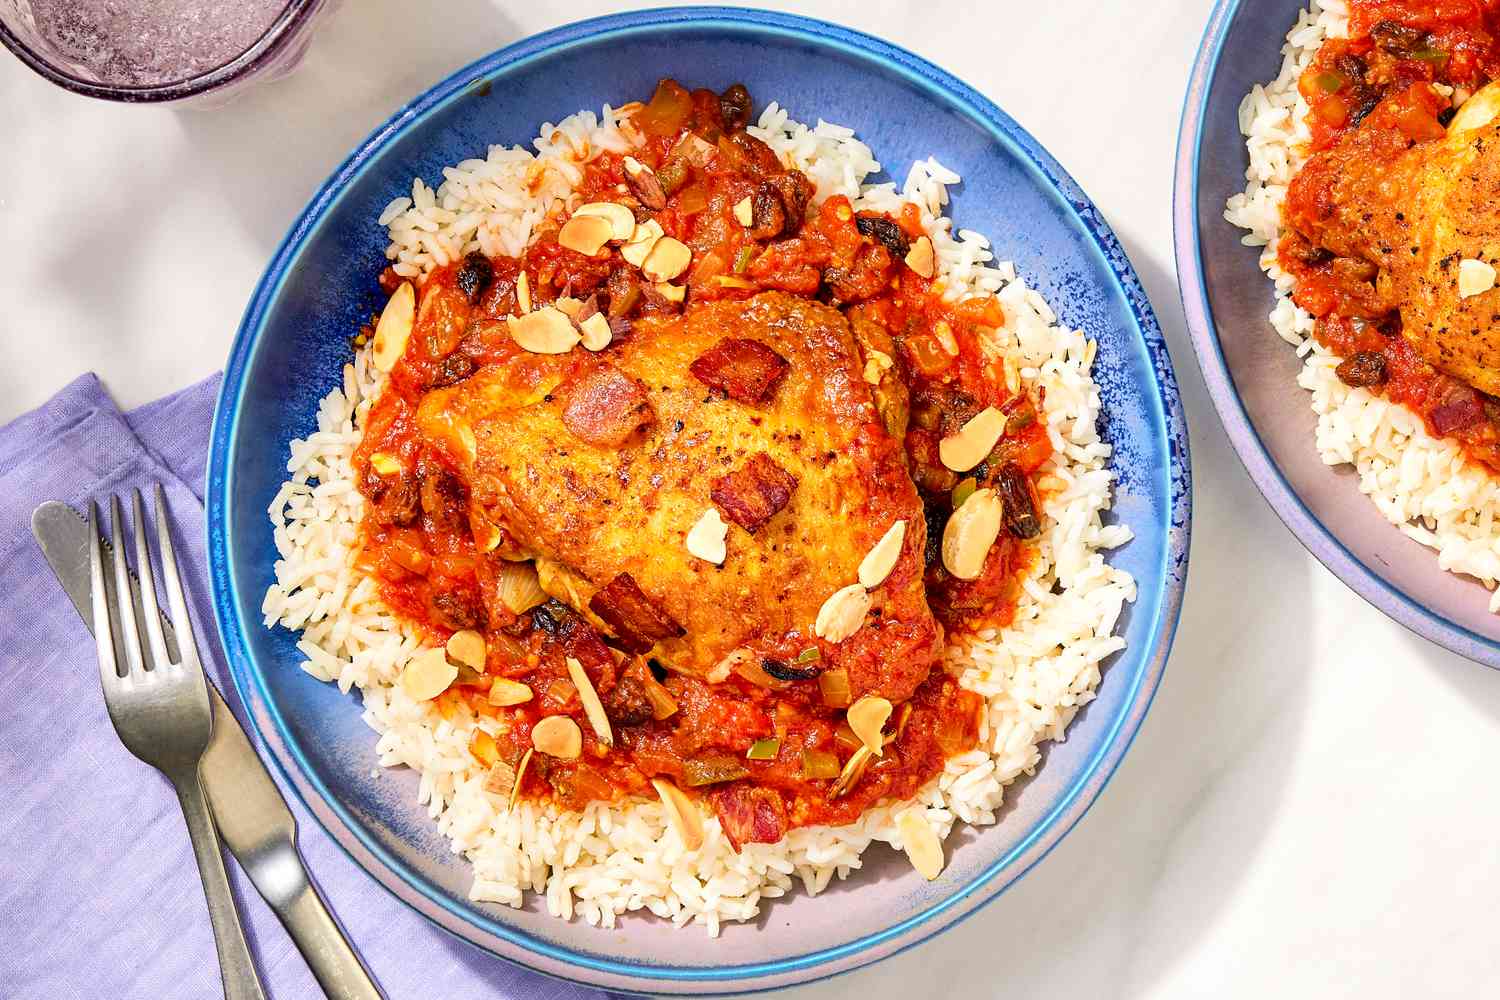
[(1421, 483), (610, 860)]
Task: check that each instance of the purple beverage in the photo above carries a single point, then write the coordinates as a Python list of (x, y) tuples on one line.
[(139, 43)]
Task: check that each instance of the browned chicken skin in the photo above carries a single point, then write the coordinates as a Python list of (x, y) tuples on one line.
[(599, 467)]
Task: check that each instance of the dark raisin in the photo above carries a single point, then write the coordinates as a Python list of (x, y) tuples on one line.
[(646, 186), (626, 703), (1015, 494), (545, 618), (1389, 325), (936, 511), (1312, 256), (767, 213), (1446, 115), (1396, 38), (890, 235), (474, 276), (455, 609), (734, 107), (780, 670), (454, 369), (1365, 369), (658, 672)]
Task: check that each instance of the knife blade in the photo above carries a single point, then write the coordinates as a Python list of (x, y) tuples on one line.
[(253, 818)]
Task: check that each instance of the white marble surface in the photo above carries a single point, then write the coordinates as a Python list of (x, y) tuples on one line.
[(1309, 809)]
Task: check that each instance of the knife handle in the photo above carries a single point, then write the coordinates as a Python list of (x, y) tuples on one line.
[(317, 936)]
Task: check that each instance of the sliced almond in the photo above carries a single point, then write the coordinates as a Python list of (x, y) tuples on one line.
[(970, 532), (744, 212), (641, 242), (974, 440), (592, 706), (682, 814), (671, 292), (668, 258), (842, 614), (853, 770), (546, 331), (921, 258), (706, 539), (880, 560), (586, 234), (877, 363), (620, 218), (568, 306), (596, 332), (867, 717), (427, 675), (505, 692), (467, 647), (523, 293), (393, 329), (558, 736), (518, 588), (1475, 277), (515, 789), (922, 845), (384, 463)]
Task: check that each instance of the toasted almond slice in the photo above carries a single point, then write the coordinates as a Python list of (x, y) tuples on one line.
[(596, 332), (523, 293), (877, 363), (641, 242), (970, 532), (558, 736), (621, 219), (586, 234), (668, 258), (515, 790), (518, 588), (505, 692), (706, 539), (384, 463), (568, 306), (393, 329), (922, 845), (867, 717), (592, 706), (681, 813), (974, 440), (921, 258), (467, 647), (501, 780), (1475, 277), (854, 769), (743, 212), (427, 675), (671, 292), (546, 331), (880, 560), (842, 614)]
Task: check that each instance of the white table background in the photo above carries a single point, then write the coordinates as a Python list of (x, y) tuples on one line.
[(1310, 808)]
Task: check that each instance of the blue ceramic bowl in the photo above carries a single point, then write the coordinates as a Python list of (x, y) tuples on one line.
[(295, 338), (1252, 374)]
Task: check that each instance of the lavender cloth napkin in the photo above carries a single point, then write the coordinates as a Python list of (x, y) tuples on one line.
[(99, 894)]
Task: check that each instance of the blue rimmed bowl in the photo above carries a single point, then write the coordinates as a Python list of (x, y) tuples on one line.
[(295, 338), (1252, 374)]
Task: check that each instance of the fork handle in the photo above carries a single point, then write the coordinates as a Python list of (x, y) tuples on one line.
[(332, 961), (235, 966)]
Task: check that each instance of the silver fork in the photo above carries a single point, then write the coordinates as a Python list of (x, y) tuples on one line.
[(160, 709)]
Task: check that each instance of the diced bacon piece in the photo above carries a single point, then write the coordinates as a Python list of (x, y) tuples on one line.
[(607, 407), (752, 495), (633, 617), (749, 815), (745, 370)]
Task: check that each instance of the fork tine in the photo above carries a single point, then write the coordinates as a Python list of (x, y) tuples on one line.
[(135, 662), (151, 611), (104, 633), (187, 646)]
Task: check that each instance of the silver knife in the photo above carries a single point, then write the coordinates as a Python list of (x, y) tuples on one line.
[(252, 817)]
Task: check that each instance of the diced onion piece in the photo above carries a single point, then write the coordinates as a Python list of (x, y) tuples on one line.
[(663, 705), (505, 692), (681, 813), (592, 706), (970, 532), (1475, 277), (558, 736), (819, 764), (834, 685), (922, 845), (467, 647), (867, 717), (427, 675), (482, 748), (517, 585), (744, 212), (973, 441), (881, 559), (385, 464), (393, 329), (843, 613), (765, 749)]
